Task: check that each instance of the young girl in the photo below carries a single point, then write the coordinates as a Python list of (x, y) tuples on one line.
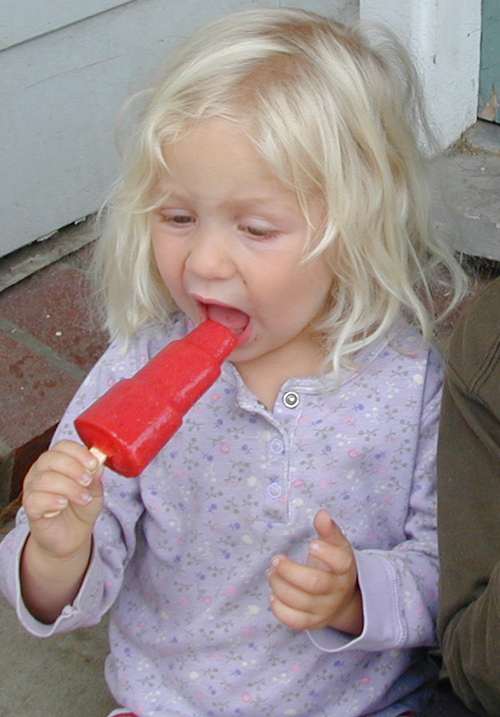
[(278, 557)]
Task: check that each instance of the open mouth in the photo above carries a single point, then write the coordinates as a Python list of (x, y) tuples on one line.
[(235, 319)]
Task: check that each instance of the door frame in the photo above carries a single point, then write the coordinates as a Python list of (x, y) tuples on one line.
[(444, 38)]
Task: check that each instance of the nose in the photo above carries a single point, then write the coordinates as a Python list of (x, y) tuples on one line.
[(210, 254)]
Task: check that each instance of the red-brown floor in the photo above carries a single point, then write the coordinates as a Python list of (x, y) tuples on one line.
[(49, 339)]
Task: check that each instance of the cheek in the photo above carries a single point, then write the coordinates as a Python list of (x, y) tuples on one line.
[(324, 282), (313, 284), (167, 263), (157, 248)]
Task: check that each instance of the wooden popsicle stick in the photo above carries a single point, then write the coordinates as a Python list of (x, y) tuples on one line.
[(100, 455), (101, 458)]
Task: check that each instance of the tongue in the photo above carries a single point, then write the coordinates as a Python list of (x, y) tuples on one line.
[(233, 319)]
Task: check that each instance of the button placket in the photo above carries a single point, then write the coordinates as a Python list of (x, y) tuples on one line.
[(285, 417), (275, 498)]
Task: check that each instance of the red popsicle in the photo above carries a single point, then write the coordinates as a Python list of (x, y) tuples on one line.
[(132, 422)]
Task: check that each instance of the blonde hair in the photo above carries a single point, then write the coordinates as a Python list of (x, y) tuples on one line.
[(334, 112)]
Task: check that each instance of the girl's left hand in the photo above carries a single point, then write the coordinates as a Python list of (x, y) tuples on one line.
[(323, 593)]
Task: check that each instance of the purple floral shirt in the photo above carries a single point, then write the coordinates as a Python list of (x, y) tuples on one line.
[(181, 552)]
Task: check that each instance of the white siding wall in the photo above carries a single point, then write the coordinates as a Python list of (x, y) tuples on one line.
[(66, 69), (444, 39)]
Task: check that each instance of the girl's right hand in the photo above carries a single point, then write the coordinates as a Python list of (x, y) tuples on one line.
[(62, 497)]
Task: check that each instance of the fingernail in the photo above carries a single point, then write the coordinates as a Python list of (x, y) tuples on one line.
[(314, 546), (61, 502), (91, 464), (275, 561), (85, 498), (86, 479), (51, 514)]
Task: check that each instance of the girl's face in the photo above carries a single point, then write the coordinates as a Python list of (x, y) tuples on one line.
[(228, 241)]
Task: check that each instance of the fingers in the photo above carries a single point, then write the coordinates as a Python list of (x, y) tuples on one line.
[(296, 594), (293, 618), (65, 457), (321, 555), (66, 474), (52, 494), (325, 527), (323, 592), (331, 558), (300, 585), (299, 577), (308, 598)]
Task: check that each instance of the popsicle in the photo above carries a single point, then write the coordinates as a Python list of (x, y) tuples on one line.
[(132, 421)]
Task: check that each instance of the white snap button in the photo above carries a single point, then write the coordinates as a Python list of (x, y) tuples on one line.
[(291, 399)]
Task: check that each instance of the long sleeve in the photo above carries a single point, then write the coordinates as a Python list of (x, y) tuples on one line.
[(399, 585), (469, 507), (115, 529)]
